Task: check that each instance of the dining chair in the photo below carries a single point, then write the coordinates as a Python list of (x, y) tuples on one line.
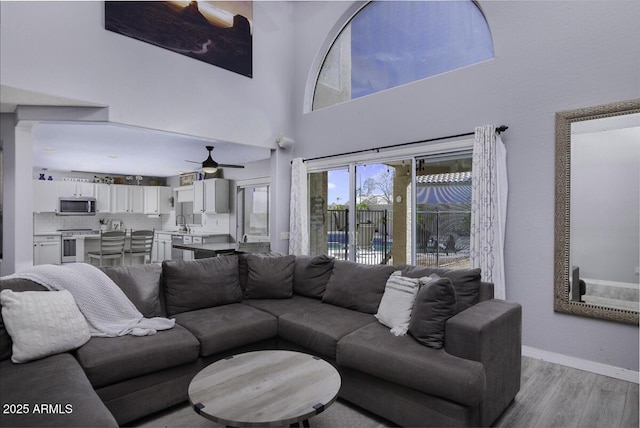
[(141, 245), (111, 247)]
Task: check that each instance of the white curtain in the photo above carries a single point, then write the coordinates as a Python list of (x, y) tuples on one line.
[(298, 216), (489, 207)]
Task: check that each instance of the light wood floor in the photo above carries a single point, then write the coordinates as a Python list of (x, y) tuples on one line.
[(550, 395)]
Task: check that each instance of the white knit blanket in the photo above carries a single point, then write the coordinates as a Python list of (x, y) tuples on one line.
[(105, 306)]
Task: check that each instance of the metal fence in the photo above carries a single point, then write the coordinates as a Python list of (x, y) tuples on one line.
[(442, 238), (373, 235)]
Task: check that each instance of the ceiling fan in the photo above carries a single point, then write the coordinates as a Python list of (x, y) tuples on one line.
[(210, 166)]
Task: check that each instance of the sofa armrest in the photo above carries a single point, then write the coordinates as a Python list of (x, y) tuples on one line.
[(490, 332)]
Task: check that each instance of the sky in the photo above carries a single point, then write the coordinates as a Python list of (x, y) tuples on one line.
[(339, 181)]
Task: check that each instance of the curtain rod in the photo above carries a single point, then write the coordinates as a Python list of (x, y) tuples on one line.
[(500, 129)]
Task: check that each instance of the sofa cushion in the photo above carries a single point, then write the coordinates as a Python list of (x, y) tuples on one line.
[(108, 360), (197, 284), (311, 275), (141, 284), (278, 307), (434, 305), (15, 284), (243, 268), (357, 286), (466, 282), (57, 380), (397, 302), (400, 359), (269, 277), (227, 327), (42, 324), (319, 329)]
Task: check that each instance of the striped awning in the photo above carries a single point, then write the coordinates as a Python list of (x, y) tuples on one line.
[(449, 188)]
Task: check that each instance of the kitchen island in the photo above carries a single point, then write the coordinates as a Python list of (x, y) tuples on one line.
[(201, 251)]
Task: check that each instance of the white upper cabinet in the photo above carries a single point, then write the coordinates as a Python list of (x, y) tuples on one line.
[(157, 200), (127, 199), (45, 196), (103, 198), (76, 188), (211, 196), (110, 198)]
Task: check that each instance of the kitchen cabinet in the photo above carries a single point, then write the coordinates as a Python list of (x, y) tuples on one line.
[(127, 199), (45, 196), (157, 199), (162, 246), (211, 196), (103, 198), (76, 188), (47, 249)]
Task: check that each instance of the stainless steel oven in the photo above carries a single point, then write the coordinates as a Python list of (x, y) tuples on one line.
[(68, 249), (69, 242)]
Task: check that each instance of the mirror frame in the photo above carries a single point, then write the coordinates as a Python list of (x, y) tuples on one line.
[(562, 302)]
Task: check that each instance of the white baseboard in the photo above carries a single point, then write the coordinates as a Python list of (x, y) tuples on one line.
[(579, 363)]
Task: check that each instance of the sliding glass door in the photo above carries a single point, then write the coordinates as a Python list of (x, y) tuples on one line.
[(351, 211), (443, 211), (414, 210)]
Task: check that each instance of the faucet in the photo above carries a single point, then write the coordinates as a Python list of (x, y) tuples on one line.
[(184, 219)]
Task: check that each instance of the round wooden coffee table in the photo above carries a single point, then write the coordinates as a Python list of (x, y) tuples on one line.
[(264, 388)]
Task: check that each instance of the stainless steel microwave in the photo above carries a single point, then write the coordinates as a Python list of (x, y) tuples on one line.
[(76, 206)]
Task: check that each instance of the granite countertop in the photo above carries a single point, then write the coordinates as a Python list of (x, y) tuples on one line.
[(202, 234), (47, 234), (223, 246)]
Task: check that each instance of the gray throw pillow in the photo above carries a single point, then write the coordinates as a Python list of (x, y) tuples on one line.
[(465, 281), (357, 286), (269, 277), (311, 275), (434, 305), (141, 284), (198, 284)]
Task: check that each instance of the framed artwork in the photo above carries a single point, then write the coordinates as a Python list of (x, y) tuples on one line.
[(189, 178), (216, 32)]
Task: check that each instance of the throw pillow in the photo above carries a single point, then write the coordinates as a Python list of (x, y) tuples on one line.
[(397, 303), (435, 304), (269, 277), (199, 284), (466, 282), (311, 275), (357, 286), (15, 284), (42, 323)]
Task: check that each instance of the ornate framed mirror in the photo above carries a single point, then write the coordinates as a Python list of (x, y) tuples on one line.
[(597, 212)]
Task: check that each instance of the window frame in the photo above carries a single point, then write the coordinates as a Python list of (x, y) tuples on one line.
[(333, 36)]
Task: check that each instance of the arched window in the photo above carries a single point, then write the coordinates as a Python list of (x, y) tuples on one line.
[(391, 43)]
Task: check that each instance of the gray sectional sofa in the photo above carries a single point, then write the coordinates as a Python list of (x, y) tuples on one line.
[(318, 305)]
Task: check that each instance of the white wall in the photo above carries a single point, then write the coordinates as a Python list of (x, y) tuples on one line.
[(62, 48), (549, 57)]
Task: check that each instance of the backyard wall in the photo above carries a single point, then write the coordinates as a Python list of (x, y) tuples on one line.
[(549, 57)]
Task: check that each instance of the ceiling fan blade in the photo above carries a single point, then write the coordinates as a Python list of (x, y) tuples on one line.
[(193, 161), (220, 165)]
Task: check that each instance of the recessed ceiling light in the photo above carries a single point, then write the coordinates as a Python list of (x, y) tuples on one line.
[(48, 149), (113, 157)]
